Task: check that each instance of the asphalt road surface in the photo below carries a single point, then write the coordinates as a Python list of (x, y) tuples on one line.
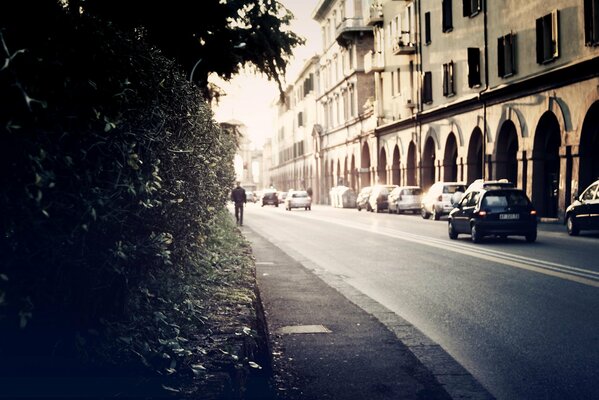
[(522, 318)]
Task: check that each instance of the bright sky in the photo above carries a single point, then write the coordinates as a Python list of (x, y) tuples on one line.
[(250, 97)]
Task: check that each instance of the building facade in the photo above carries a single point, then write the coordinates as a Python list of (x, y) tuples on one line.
[(468, 89)]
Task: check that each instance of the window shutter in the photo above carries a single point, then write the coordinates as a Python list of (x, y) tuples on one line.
[(445, 79), (427, 28), (540, 42), (510, 54), (500, 57), (427, 88), (555, 34), (447, 24), (473, 67), (466, 8), (594, 11), (451, 86)]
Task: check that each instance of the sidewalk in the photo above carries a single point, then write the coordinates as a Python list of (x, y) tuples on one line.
[(330, 341)]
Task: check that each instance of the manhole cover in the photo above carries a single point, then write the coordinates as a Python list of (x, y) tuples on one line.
[(288, 330)]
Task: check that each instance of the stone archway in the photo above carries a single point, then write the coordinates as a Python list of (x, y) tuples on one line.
[(589, 148), (365, 166), (411, 166), (546, 166), (395, 173), (506, 153), (345, 172), (353, 174), (450, 158), (382, 167), (428, 164), (475, 156)]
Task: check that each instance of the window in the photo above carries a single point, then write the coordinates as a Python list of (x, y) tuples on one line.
[(473, 67), (548, 37), (591, 22), (427, 88), (300, 119), (589, 194), (506, 50), (448, 79), (427, 28), (447, 16), (472, 7), (398, 81)]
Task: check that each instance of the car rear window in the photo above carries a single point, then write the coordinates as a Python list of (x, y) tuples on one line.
[(504, 199), (454, 188), (300, 194), (412, 192)]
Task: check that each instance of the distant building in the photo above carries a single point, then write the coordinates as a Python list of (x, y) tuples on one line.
[(460, 90)]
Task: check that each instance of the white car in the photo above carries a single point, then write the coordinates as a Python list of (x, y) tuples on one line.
[(298, 199), (405, 198), (438, 200)]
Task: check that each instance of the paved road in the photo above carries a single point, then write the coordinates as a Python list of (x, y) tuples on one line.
[(522, 318)]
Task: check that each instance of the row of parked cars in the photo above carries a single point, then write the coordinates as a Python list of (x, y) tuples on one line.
[(482, 209), (291, 199)]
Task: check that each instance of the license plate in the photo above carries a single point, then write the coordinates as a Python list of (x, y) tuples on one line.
[(509, 216)]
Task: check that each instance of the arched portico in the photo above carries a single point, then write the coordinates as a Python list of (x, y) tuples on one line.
[(450, 165), (474, 162), (506, 153), (428, 163), (395, 172), (382, 167), (411, 165), (365, 166), (546, 166), (589, 148)]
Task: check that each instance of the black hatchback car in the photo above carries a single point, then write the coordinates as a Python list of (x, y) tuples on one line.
[(583, 214), (499, 212), (270, 198)]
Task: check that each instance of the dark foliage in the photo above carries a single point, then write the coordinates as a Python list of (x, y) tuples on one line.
[(112, 168), (224, 35)]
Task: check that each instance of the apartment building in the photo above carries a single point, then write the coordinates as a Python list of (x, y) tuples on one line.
[(293, 161), (460, 90)]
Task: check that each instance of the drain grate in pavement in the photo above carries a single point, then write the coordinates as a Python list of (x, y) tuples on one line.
[(289, 330)]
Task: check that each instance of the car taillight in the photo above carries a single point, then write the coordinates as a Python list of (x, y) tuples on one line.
[(482, 213), (440, 198), (533, 212)]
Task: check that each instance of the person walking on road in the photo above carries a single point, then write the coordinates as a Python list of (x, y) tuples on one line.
[(239, 198)]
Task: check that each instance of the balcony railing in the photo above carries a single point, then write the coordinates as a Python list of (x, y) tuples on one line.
[(348, 28), (374, 62), (402, 47), (375, 15)]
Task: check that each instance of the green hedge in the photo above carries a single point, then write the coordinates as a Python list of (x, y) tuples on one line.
[(112, 169)]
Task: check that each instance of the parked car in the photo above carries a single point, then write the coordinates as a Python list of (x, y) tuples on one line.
[(500, 212), (362, 199), (250, 196), (298, 199), (379, 196), (583, 214), (270, 198), (437, 201), (282, 196), (405, 198)]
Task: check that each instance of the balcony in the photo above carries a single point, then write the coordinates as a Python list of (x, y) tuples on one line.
[(374, 62), (375, 15), (403, 47), (348, 29)]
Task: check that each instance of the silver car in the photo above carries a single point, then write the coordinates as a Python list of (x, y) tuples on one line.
[(437, 201), (298, 199), (405, 198)]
